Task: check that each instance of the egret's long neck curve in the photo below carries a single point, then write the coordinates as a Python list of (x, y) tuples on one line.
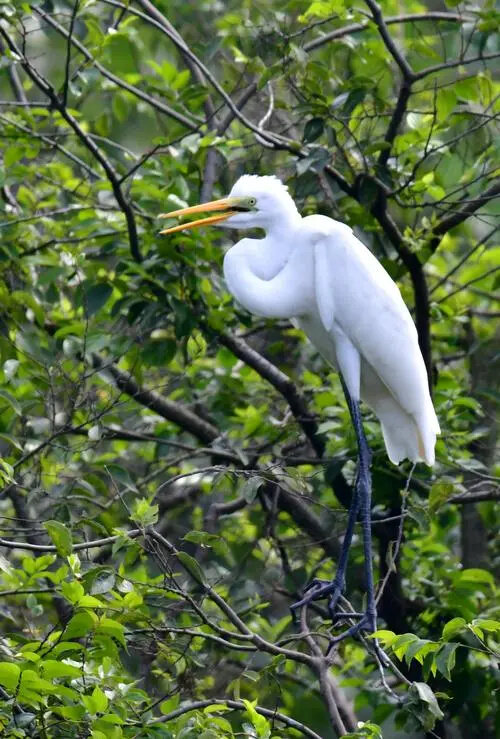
[(255, 271)]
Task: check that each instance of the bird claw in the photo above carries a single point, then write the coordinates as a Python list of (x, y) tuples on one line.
[(318, 589), (367, 623)]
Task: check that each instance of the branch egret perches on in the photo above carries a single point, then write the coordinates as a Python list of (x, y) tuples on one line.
[(316, 272)]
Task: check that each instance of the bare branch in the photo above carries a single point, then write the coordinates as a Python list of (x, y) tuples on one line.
[(133, 534), (168, 409), (390, 20), (479, 497), (395, 122), (52, 144), (157, 15), (465, 257), (455, 63), (237, 705), (136, 91), (111, 174), (68, 53), (281, 383), (465, 285), (398, 57), (461, 215)]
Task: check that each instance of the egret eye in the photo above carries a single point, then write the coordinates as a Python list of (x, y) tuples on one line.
[(252, 201)]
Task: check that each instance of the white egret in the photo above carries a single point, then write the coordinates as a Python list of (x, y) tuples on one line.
[(315, 271)]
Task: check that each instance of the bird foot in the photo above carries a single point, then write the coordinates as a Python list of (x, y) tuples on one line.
[(367, 624), (319, 589)]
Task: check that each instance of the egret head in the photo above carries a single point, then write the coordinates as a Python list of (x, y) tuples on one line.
[(254, 202)]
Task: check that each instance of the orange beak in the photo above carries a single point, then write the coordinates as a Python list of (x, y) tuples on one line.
[(226, 205)]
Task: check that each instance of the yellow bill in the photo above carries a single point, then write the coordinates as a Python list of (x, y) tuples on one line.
[(228, 206)]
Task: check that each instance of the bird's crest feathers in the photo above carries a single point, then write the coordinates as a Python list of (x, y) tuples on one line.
[(254, 184)]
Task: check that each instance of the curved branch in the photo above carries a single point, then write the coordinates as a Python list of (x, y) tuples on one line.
[(111, 174), (282, 384), (459, 216), (168, 409), (137, 92), (392, 19), (388, 41), (8, 544), (237, 705)]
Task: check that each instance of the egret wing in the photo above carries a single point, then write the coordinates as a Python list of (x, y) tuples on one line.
[(324, 293), (369, 310)]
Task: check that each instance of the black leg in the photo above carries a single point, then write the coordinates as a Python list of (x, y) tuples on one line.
[(365, 502), (361, 503), (318, 589)]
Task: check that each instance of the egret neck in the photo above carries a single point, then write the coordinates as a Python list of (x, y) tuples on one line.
[(251, 264)]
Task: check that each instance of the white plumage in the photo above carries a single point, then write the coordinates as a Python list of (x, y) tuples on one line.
[(316, 272)]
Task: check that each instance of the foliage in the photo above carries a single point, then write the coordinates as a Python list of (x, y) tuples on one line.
[(173, 470)]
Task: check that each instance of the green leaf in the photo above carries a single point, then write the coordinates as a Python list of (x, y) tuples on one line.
[(120, 474), (31, 681), (72, 591), (487, 624), (426, 694), (144, 512), (215, 708), (11, 440), (51, 668), (11, 401), (445, 659), (439, 494), (12, 155), (121, 53), (386, 637), (401, 644), (313, 130), (250, 488), (353, 99), (79, 625), (100, 699), (446, 100), (112, 628), (170, 705), (101, 581), (453, 627), (159, 353), (71, 713), (97, 296), (477, 575), (259, 722), (61, 537), (88, 601), (202, 537), (192, 566), (314, 161), (9, 675)]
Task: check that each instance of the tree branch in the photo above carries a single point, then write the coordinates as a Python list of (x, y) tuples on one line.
[(390, 20), (282, 384), (133, 534), (112, 176), (459, 216), (136, 91), (388, 41), (157, 15), (236, 705), (168, 409), (455, 63)]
